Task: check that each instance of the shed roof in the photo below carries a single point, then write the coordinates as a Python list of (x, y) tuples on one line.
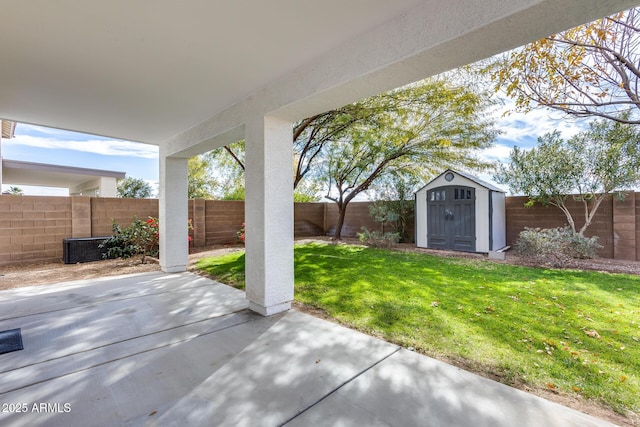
[(468, 176)]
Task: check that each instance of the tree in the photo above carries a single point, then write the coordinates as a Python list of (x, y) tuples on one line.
[(590, 70), (449, 116), (604, 159), (394, 203), (418, 129), (136, 188), (227, 167), (201, 183)]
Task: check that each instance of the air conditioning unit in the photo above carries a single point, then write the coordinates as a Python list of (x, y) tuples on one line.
[(83, 249)]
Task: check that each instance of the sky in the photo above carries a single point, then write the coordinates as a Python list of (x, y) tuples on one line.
[(45, 145), (52, 146)]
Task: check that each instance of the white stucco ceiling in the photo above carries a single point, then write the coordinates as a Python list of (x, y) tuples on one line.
[(150, 70), (146, 70)]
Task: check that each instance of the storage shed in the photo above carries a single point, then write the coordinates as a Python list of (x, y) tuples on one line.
[(460, 212)]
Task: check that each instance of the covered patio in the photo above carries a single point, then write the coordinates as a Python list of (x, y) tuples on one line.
[(191, 76), (197, 75), (178, 349)]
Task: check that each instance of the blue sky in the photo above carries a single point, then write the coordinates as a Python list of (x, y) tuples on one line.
[(45, 145)]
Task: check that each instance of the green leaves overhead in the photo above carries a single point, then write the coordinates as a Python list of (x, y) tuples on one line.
[(590, 70), (417, 130)]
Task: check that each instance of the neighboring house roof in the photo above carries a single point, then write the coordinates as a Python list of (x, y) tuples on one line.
[(29, 173), (468, 176), (7, 128)]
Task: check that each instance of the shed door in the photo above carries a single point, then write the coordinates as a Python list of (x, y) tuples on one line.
[(451, 218)]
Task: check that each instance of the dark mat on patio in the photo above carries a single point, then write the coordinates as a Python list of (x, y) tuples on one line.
[(10, 340)]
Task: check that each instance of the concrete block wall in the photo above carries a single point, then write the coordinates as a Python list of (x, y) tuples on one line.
[(104, 210), (309, 219), (223, 220), (537, 216), (357, 216), (624, 212), (32, 228)]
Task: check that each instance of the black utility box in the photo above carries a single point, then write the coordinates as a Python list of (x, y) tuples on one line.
[(83, 249)]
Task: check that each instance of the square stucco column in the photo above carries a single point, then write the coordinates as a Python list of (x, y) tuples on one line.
[(173, 214), (269, 215)]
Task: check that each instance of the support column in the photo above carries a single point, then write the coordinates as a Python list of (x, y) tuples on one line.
[(173, 214), (269, 215)]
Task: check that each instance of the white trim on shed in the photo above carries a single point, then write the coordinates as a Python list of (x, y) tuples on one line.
[(489, 228)]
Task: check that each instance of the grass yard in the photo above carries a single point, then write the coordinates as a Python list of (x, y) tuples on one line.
[(569, 331)]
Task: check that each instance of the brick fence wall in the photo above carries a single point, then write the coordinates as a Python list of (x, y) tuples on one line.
[(615, 223), (32, 227)]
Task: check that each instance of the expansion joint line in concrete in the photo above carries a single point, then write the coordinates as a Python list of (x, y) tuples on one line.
[(128, 355), (340, 386), (101, 302)]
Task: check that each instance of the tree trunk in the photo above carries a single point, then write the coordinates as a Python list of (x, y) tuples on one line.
[(342, 210)]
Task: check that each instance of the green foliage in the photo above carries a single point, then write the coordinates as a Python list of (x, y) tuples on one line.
[(201, 183), (136, 188), (394, 205), (226, 166), (233, 193), (378, 239), (141, 237), (555, 246), (417, 130), (602, 160), (587, 71), (306, 192), (531, 327)]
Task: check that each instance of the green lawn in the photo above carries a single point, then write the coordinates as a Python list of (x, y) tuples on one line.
[(570, 331)]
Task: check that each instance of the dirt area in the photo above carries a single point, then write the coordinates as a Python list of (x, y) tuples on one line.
[(16, 276)]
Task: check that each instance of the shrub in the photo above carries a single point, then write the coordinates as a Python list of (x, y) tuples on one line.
[(241, 233), (377, 239), (118, 245), (555, 246), (141, 237)]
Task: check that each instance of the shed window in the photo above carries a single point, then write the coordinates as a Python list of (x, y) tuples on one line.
[(437, 196)]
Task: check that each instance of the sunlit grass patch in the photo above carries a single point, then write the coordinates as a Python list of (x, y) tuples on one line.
[(570, 331)]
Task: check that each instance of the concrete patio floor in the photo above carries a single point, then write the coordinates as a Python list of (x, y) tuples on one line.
[(178, 349)]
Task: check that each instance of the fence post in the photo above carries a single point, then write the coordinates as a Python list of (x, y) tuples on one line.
[(199, 222), (81, 216), (624, 228)]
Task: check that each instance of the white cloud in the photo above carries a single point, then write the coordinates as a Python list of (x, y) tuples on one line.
[(497, 152), (104, 147), (155, 188), (517, 126)]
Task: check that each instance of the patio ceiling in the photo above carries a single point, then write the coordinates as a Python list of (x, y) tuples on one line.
[(149, 70)]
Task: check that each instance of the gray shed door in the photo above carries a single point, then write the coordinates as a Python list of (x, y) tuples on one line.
[(451, 218)]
